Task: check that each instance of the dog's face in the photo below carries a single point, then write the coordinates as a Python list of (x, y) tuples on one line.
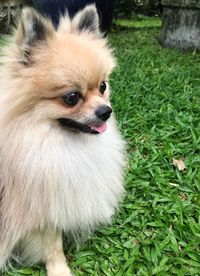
[(64, 73)]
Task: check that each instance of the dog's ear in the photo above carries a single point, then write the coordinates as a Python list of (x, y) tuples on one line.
[(85, 20), (32, 29)]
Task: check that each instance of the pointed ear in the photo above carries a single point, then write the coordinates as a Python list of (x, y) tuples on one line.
[(86, 20), (32, 28)]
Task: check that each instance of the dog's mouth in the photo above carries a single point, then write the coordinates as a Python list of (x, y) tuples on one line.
[(85, 128)]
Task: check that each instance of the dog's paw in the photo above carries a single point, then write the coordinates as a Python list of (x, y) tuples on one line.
[(63, 273), (60, 271)]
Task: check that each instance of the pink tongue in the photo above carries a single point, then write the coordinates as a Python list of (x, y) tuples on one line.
[(101, 128)]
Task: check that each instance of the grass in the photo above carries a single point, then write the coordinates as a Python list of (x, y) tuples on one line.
[(156, 97), (138, 22)]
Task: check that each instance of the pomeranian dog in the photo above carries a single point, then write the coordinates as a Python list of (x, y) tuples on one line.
[(61, 155)]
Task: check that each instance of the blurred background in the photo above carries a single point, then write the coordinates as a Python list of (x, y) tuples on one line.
[(10, 9), (180, 19)]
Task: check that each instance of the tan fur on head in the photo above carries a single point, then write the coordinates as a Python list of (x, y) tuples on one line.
[(53, 179), (50, 63)]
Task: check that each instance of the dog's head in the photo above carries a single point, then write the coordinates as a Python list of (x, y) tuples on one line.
[(62, 75)]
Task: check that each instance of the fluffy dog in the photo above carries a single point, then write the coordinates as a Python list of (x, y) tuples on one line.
[(61, 156)]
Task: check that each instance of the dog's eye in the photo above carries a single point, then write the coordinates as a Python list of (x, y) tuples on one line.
[(102, 87), (72, 98)]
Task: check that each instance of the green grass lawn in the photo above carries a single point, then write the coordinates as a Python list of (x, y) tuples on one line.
[(156, 97), (139, 22)]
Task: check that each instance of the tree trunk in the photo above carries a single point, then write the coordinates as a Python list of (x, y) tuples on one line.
[(9, 11), (181, 24)]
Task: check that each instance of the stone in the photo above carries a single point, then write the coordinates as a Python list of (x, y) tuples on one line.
[(181, 24)]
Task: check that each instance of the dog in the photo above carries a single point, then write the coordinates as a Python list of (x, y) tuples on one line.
[(61, 155)]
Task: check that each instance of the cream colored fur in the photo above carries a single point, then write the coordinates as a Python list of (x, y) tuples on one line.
[(54, 180)]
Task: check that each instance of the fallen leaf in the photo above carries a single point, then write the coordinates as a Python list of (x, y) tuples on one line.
[(135, 242), (183, 197), (173, 184), (179, 164)]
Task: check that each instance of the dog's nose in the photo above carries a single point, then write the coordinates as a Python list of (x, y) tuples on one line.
[(103, 112)]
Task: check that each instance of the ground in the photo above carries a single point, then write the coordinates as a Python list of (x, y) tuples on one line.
[(156, 98)]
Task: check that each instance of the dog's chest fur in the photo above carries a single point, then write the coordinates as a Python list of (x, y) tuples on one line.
[(67, 179)]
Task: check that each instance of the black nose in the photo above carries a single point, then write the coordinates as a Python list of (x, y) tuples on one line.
[(103, 112)]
